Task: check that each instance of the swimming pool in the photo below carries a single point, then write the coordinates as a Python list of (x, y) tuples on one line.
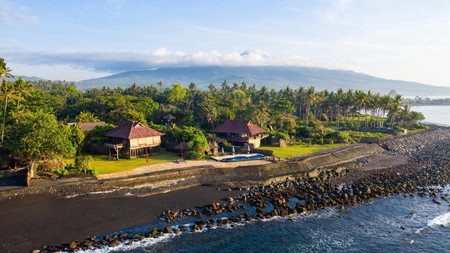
[(236, 158)]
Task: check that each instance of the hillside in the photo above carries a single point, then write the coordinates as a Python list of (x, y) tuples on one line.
[(273, 77)]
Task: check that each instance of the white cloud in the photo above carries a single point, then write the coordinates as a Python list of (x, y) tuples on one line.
[(83, 64), (161, 52), (15, 15)]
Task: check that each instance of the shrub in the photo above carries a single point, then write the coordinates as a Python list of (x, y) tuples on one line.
[(71, 167), (339, 137), (93, 172), (83, 163), (282, 136), (194, 155), (59, 173), (54, 164)]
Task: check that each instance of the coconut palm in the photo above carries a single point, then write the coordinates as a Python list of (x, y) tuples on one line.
[(395, 108), (310, 100), (4, 71), (361, 101), (7, 92), (22, 89)]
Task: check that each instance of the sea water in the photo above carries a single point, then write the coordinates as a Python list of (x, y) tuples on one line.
[(391, 224), (436, 114)]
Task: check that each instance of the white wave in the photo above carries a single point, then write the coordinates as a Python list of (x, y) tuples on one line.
[(89, 193), (72, 196), (101, 192), (441, 220), (134, 245)]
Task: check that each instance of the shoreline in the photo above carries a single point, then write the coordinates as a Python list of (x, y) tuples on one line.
[(33, 221)]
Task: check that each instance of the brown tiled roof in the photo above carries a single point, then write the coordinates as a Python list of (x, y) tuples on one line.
[(89, 126), (237, 127), (133, 130)]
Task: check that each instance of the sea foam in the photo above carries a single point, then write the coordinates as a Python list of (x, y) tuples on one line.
[(441, 220)]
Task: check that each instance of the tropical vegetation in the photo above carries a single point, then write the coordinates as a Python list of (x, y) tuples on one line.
[(35, 114)]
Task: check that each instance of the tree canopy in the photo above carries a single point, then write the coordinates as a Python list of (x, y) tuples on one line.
[(38, 136)]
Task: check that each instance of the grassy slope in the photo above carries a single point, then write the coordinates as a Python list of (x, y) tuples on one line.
[(105, 166), (296, 150)]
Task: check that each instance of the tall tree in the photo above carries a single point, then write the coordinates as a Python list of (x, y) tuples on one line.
[(361, 99), (22, 89), (86, 117), (38, 137), (309, 100), (8, 93), (4, 71), (395, 109)]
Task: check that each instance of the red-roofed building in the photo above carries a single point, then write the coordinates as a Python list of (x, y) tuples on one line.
[(240, 132), (131, 139)]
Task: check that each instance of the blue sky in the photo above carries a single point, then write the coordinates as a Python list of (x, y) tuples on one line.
[(76, 40)]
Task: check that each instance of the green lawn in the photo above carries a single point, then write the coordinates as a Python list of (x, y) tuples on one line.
[(104, 166), (295, 150)]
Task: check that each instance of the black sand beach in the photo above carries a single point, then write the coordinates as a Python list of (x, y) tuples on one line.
[(30, 222)]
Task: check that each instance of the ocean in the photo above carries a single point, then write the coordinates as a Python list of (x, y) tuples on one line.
[(436, 114), (391, 224)]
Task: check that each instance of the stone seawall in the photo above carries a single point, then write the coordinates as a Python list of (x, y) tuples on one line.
[(241, 176)]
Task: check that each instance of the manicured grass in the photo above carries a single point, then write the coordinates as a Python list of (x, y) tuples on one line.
[(105, 166), (295, 150)]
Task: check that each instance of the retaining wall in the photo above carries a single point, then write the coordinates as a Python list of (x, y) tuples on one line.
[(248, 175)]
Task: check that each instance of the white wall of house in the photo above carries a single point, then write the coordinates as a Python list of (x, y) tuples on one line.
[(255, 141), (148, 141)]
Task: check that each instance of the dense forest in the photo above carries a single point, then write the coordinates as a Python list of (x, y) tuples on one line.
[(300, 113)]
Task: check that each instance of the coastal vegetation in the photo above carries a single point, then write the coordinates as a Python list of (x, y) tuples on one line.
[(300, 114), (427, 101)]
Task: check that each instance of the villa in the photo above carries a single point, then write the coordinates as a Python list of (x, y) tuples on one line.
[(133, 139), (240, 133)]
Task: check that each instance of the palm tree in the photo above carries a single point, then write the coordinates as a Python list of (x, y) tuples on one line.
[(299, 97), (405, 114), (361, 101), (8, 92), (347, 104), (395, 108), (22, 89), (4, 71), (340, 102), (310, 100)]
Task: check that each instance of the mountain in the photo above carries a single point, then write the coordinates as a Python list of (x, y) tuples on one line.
[(26, 78), (272, 77)]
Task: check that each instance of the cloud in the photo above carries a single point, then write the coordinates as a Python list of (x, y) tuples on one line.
[(161, 57), (15, 15)]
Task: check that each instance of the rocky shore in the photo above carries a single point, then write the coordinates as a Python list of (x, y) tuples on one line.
[(424, 170)]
